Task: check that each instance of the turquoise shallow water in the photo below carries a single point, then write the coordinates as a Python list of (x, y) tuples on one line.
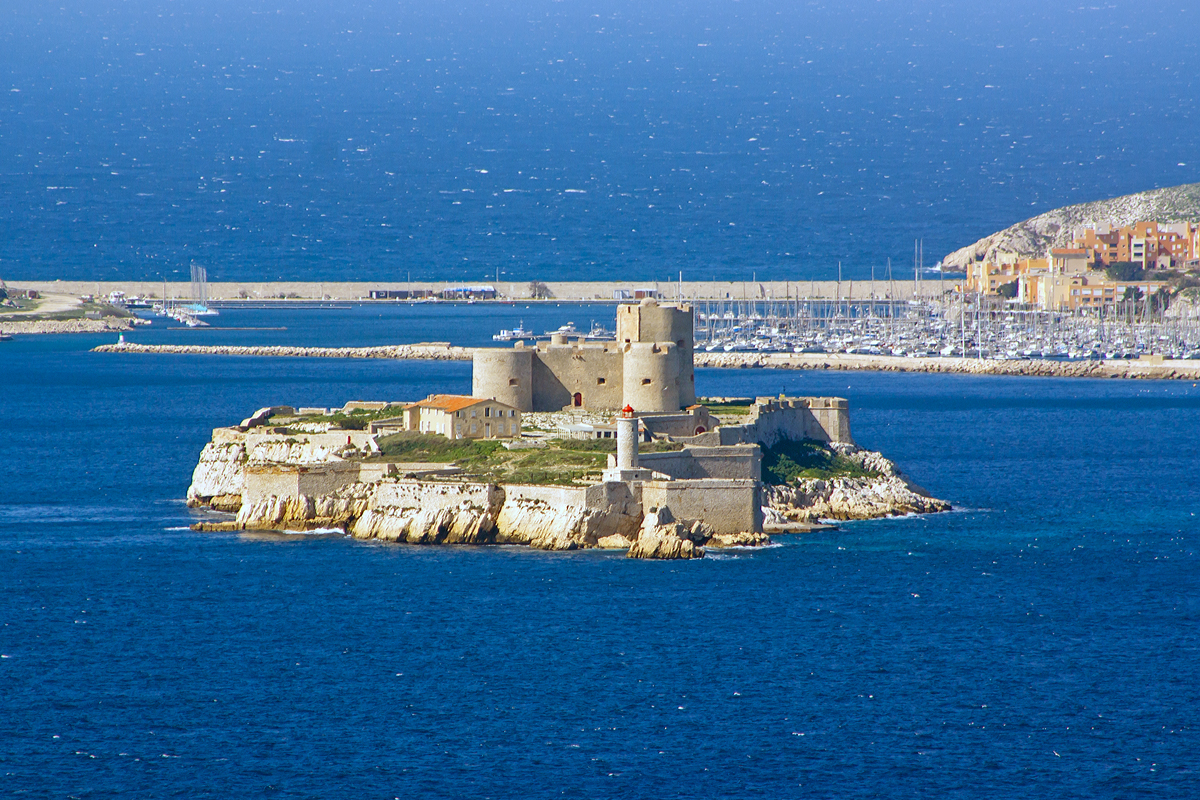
[(1039, 641)]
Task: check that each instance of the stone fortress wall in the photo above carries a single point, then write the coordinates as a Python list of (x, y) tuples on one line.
[(647, 366), (772, 420)]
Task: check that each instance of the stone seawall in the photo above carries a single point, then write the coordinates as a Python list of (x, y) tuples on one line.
[(423, 352), (1166, 370)]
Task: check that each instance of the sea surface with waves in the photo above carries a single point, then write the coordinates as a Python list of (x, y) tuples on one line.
[(1039, 641), (612, 140)]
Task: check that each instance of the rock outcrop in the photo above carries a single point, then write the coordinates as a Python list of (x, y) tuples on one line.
[(1034, 236), (662, 537), (888, 494), (218, 478)]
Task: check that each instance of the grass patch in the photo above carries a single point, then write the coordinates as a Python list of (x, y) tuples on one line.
[(431, 447), (562, 462), (787, 462), (727, 409)]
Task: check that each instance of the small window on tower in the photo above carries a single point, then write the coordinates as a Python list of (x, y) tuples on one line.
[(645, 381), (513, 382), (599, 381)]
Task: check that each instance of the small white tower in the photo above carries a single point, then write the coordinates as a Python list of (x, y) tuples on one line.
[(627, 450)]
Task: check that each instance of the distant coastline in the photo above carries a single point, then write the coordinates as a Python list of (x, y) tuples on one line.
[(285, 292)]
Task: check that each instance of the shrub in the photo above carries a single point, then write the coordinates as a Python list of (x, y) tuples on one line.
[(787, 462)]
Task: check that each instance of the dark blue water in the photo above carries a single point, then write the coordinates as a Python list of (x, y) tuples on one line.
[(617, 140), (1042, 641)]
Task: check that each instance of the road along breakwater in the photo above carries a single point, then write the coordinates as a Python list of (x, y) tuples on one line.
[(440, 351)]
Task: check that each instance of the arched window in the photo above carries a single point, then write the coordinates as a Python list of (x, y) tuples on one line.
[(578, 399)]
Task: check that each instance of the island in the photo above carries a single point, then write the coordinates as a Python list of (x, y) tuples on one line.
[(570, 444)]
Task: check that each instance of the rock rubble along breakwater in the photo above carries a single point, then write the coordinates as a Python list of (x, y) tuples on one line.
[(436, 351), (104, 325), (1149, 370)]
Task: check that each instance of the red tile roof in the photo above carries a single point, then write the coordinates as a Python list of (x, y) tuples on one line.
[(448, 402)]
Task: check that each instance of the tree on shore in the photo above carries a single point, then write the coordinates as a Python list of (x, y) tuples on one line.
[(539, 291)]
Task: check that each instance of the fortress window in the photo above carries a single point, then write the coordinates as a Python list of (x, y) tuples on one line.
[(645, 381), (513, 382), (599, 381)]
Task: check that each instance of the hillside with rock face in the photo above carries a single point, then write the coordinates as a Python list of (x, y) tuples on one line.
[(1033, 237)]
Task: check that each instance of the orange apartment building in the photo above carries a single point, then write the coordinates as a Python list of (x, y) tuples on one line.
[(1061, 282), (1151, 244)]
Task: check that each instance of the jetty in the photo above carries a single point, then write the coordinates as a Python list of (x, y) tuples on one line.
[(1147, 369)]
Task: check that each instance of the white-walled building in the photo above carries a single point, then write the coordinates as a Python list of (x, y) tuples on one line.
[(458, 416)]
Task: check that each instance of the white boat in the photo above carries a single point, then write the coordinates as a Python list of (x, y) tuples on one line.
[(512, 334)]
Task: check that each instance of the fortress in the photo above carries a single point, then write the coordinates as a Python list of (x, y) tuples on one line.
[(699, 486), (648, 366)]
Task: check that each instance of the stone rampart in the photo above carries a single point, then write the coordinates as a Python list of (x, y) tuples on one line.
[(434, 495), (738, 462), (772, 420), (726, 506), (264, 481)]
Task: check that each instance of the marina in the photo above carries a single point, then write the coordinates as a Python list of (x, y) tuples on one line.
[(953, 325)]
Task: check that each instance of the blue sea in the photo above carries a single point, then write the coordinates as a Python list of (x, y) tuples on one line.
[(1039, 641), (537, 139)]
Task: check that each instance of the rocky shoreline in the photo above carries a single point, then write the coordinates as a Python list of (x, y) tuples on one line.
[(293, 481)]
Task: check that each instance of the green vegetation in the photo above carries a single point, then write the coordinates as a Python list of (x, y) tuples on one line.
[(414, 446), (1008, 290), (788, 461), (356, 420), (562, 462), (1124, 271)]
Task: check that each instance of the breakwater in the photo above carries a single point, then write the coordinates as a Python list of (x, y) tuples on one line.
[(38, 326), (1151, 370), (436, 351), (441, 351)]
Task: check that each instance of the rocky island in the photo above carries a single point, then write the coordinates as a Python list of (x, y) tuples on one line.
[(550, 451)]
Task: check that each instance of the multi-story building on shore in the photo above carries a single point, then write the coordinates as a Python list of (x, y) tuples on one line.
[(1153, 245)]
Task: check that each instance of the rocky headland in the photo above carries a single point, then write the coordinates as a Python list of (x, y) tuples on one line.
[(1031, 238)]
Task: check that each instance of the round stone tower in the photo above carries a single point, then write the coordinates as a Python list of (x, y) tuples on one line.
[(652, 376), (648, 321), (506, 375)]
